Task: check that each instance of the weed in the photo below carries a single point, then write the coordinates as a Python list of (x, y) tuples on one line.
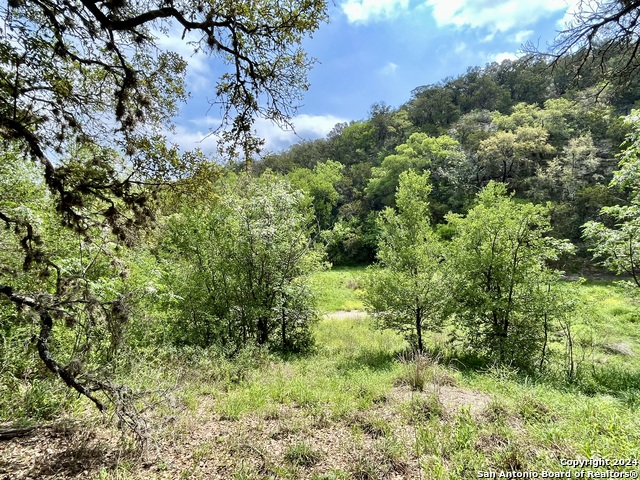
[(435, 468), (333, 474), (354, 371), (464, 430), (365, 468), (244, 473), (422, 408), (302, 454), (532, 409), (394, 454), (496, 412), (373, 426), (420, 370), (491, 441), (511, 458), (202, 452), (415, 371)]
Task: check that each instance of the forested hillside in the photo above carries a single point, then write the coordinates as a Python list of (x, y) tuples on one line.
[(523, 123)]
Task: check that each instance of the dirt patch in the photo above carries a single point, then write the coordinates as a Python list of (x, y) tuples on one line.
[(455, 398), (347, 315), (62, 450), (452, 398), (289, 441), (253, 447)]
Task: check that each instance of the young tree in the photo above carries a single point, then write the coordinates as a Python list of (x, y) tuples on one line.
[(498, 259), (242, 268), (407, 290)]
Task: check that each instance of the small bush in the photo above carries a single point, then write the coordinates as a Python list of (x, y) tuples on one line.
[(415, 371), (419, 370)]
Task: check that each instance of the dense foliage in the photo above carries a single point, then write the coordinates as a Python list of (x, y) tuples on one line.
[(618, 246), (515, 122), (237, 267), (503, 286), (86, 92)]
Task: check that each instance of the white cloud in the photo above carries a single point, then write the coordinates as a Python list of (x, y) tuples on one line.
[(500, 57), (489, 37), (497, 15), (363, 11), (522, 35), (389, 69), (192, 138), (460, 47), (307, 127), (196, 133)]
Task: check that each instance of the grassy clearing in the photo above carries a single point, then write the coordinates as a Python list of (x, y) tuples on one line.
[(361, 407), (615, 321), (339, 289)]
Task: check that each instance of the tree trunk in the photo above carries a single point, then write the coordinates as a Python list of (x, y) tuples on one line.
[(419, 329), (546, 333), (284, 329), (263, 332), (544, 344)]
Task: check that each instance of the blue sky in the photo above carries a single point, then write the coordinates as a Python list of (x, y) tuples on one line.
[(378, 51)]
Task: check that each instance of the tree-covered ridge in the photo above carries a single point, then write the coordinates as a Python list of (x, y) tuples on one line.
[(519, 122)]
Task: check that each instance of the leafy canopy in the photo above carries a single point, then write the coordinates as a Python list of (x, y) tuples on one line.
[(86, 93), (618, 246)]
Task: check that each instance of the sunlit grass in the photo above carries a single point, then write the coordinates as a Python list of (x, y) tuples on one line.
[(338, 289)]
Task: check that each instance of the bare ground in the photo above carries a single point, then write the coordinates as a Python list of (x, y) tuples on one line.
[(202, 445)]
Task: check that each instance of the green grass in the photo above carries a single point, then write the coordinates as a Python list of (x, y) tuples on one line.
[(608, 333), (302, 454), (353, 369), (338, 289), (528, 424), (359, 406)]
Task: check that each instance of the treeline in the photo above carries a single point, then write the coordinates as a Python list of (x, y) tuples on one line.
[(546, 136)]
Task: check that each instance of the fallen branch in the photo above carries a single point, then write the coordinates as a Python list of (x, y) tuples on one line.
[(10, 433)]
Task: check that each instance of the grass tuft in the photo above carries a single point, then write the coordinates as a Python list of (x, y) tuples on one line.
[(302, 454)]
